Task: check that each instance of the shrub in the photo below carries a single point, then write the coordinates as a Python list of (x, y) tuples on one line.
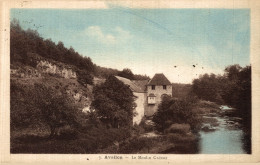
[(147, 125), (84, 77), (175, 111), (178, 128)]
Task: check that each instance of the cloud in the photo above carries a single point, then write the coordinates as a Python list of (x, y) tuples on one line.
[(118, 35)]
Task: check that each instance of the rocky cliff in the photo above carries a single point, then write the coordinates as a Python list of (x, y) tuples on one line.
[(60, 70), (39, 65)]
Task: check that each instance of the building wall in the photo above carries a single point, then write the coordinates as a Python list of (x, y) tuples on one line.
[(140, 101), (150, 109), (158, 92)]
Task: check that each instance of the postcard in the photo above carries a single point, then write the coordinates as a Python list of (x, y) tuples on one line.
[(130, 81)]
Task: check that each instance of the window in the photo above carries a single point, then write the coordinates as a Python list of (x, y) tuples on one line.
[(151, 99), (164, 86), (153, 87)]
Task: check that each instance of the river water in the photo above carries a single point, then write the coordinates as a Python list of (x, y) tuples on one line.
[(225, 137)]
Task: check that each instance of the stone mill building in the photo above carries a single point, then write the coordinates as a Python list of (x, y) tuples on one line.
[(148, 94)]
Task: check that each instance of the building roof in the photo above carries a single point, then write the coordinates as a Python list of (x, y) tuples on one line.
[(131, 84), (159, 79), (141, 83)]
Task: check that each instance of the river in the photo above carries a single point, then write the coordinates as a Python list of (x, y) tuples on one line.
[(222, 135)]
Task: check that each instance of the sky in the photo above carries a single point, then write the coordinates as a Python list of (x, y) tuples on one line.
[(149, 41)]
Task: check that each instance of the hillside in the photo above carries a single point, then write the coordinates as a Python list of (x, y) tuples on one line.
[(26, 44)]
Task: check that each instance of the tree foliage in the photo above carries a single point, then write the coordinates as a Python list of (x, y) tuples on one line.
[(237, 92), (22, 108), (40, 105), (105, 72), (84, 77), (232, 88), (126, 73), (209, 87), (141, 77), (114, 102), (57, 110), (175, 111)]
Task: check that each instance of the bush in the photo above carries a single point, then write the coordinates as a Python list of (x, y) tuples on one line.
[(146, 125), (178, 128), (84, 77), (176, 111)]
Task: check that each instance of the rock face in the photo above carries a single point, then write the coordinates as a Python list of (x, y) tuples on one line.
[(48, 67)]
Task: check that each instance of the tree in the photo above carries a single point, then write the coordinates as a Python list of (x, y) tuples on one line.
[(114, 102), (40, 105), (175, 111), (238, 91), (126, 73), (105, 72), (209, 87), (22, 107), (141, 77), (84, 77), (56, 110), (232, 72)]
